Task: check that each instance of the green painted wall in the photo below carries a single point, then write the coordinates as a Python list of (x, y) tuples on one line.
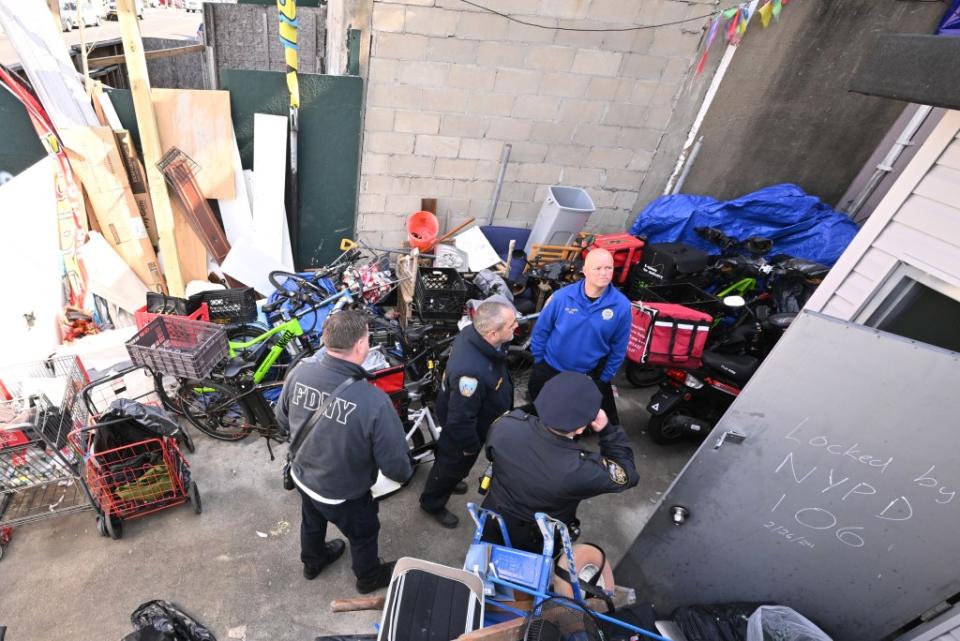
[(328, 149), (19, 146)]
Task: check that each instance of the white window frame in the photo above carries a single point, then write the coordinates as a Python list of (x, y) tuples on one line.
[(897, 279)]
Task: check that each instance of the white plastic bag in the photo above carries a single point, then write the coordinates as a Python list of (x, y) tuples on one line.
[(779, 623)]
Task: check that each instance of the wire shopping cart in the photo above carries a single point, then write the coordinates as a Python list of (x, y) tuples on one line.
[(39, 475), (132, 464)]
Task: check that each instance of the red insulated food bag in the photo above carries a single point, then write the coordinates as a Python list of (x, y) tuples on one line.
[(668, 334)]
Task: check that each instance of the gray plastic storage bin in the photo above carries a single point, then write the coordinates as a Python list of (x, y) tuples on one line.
[(562, 216)]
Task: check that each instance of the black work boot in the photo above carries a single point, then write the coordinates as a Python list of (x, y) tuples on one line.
[(461, 488), (334, 550), (379, 578), (444, 517)]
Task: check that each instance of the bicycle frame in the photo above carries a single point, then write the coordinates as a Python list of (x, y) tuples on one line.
[(288, 331)]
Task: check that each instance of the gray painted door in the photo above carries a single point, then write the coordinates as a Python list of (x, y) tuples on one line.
[(841, 501)]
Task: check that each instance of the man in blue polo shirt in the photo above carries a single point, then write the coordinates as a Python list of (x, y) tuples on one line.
[(585, 327)]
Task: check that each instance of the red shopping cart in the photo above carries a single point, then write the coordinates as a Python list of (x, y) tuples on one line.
[(38, 470), (132, 463)]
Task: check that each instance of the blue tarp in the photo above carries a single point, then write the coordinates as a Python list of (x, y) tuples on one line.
[(950, 25), (798, 224)]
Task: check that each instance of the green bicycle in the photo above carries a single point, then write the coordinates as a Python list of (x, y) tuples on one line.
[(236, 399)]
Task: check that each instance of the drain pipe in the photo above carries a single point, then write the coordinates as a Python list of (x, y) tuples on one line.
[(702, 114), (886, 165), (692, 158), (504, 159)]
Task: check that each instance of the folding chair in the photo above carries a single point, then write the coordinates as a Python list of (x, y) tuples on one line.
[(430, 602)]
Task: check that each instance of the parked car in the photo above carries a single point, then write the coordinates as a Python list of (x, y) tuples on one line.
[(89, 12), (193, 6), (112, 9)]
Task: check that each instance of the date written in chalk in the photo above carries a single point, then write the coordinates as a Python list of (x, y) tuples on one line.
[(793, 537)]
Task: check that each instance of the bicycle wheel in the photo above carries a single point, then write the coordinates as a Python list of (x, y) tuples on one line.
[(166, 388), (215, 409)]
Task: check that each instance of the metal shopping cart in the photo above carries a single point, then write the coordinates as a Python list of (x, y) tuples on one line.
[(39, 475), (132, 464)]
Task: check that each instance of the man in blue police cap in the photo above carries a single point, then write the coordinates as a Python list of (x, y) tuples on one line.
[(538, 466)]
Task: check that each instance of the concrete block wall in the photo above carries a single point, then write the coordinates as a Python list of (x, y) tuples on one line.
[(450, 84)]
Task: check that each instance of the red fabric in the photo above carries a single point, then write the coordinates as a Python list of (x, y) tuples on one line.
[(390, 380), (668, 334), (627, 251)]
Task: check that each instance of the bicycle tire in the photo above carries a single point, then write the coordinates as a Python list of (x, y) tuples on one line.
[(202, 404), (166, 388)]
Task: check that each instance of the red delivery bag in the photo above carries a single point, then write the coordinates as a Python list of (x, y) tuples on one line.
[(668, 334)]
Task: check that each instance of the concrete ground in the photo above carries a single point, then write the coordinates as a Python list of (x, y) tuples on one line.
[(236, 567)]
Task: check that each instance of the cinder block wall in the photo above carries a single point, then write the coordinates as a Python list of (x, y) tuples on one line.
[(449, 84)]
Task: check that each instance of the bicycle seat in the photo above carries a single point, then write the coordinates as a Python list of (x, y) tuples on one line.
[(237, 365), (414, 334), (737, 368), (781, 320)]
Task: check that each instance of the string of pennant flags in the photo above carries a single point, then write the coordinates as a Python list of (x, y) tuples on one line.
[(733, 23)]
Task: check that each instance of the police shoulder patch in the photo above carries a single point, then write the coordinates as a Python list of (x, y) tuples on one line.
[(468, 385), (617, 474)]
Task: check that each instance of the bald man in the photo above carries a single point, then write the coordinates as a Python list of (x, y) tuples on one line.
[(584, 328)]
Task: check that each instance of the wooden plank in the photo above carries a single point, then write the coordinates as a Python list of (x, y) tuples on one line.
[(174, 232), (236, 213), (95, 158), (511, 630), (269, 175), (198, 122), (106, 61)]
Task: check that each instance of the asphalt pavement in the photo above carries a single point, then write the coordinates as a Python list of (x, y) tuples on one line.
[(161, 22)]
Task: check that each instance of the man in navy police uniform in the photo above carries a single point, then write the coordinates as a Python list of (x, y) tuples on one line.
[(539, 466), (476, 390), (585, 327)]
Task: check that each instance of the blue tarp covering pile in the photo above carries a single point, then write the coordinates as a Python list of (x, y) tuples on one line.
[(798, 224)]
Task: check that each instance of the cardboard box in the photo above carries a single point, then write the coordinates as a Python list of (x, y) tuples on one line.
[(138, 183), (95, 159)]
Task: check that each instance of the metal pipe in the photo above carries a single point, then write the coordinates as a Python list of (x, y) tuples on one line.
[(504, 159), (688, 166), (705, 106), (886, 165)]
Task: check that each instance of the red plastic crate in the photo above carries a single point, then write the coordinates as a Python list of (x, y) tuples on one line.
[(143, 317), (627, 251)]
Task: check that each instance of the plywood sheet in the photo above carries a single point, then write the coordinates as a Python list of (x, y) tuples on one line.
[(198, 122)]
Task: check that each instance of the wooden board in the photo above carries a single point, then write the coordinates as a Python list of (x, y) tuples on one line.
[(96, 160), (236, 212), (269, 174), (174, 231), (198, 122)]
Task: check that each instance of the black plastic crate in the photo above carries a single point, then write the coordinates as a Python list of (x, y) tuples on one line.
[(228, 306), (440, 294), (164, 304), (684, 294), (176, 346)]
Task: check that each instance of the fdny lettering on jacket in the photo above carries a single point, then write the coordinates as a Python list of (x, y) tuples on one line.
[(311, 399)]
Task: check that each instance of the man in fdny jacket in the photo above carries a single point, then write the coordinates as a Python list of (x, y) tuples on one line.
[(476, 389), (585, 327), (337, 463)]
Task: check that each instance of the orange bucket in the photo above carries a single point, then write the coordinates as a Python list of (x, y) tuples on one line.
[(422, 228)]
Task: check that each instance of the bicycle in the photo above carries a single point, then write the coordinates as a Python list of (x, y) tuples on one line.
[(230, 404)]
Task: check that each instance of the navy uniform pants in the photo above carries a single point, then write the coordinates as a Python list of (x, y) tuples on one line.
[(450, 467), (356, 518)]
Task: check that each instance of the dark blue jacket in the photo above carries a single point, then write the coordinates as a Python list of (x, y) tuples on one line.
[(575, 335), (476, 390)]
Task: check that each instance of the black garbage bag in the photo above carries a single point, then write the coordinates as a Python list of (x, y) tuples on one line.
[(163, 621), (129, 422), (715, 622)]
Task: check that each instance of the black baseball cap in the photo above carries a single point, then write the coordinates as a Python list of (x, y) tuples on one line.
[(568, 401)]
